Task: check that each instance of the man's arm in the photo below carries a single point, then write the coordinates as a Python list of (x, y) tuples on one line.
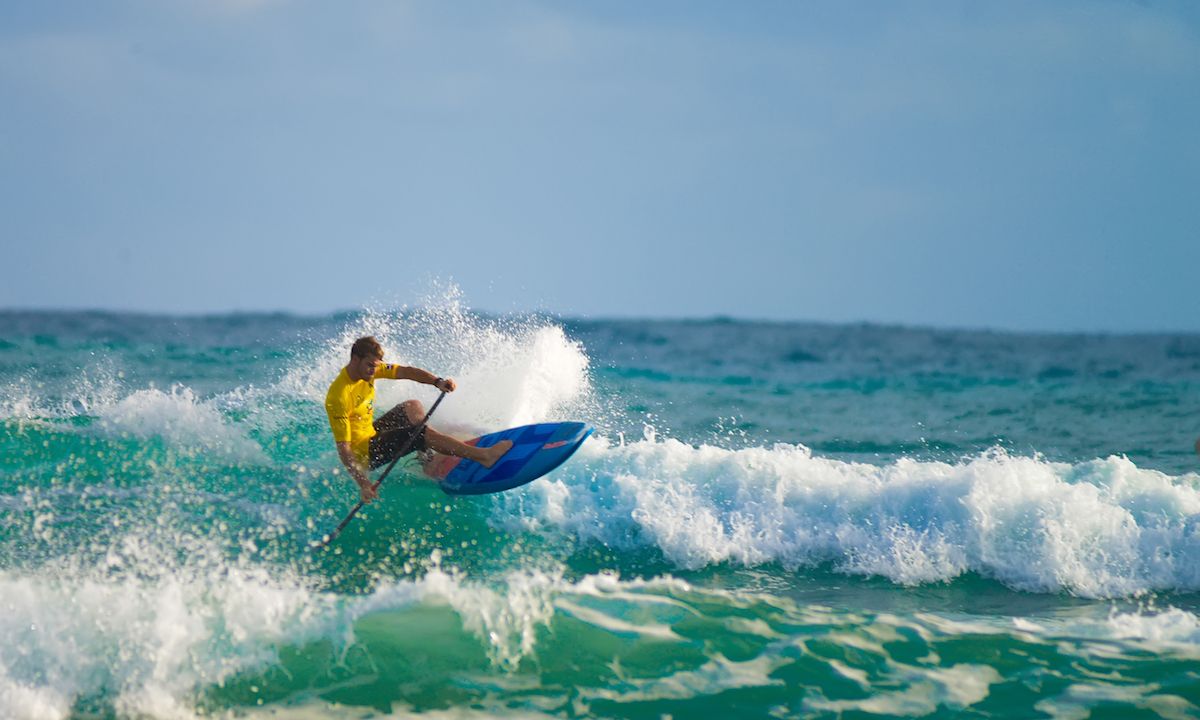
[(416, 374), (366, 489)]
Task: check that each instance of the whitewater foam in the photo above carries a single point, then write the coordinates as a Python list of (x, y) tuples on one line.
[(1103, 528), (149, 633), (1173, 626), (187, 422), (146, 642)]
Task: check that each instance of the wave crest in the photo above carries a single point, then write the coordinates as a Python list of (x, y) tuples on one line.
[(1103, 528)]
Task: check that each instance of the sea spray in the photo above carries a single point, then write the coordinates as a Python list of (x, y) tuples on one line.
[(509, 372)]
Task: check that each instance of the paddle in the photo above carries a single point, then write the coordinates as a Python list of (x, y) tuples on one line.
[(403, 451)]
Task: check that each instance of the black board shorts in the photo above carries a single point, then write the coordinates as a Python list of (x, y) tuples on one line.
[(394, 436)]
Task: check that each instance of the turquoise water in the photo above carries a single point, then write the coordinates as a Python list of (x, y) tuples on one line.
[(772, 520)]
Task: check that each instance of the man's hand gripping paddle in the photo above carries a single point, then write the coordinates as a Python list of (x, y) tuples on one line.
[(404, 451)]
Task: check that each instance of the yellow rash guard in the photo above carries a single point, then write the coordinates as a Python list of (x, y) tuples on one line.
[(350, 405)]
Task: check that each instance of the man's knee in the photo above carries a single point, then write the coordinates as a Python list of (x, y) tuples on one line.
[(413, 410)]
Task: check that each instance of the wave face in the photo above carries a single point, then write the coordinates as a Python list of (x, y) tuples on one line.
[(787, 519)]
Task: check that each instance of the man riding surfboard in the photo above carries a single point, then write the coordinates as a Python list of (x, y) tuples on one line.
[(364, 443)]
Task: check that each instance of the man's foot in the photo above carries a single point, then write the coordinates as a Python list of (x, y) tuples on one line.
[(494, 453)]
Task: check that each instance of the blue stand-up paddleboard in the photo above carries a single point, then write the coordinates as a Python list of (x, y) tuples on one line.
[(537, 449)]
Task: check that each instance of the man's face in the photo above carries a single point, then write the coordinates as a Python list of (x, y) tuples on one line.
[(366, 366)]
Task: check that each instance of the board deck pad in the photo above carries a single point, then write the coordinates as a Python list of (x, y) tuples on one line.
[(537, 449)]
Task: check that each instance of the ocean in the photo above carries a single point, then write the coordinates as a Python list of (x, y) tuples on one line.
[(786, 520)]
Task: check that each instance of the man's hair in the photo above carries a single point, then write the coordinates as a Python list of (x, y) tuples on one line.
[(366, 347)]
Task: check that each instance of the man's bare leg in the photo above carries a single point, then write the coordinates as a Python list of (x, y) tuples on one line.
[(447, 445)]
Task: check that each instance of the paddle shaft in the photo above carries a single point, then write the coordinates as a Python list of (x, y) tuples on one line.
[(404, 451)]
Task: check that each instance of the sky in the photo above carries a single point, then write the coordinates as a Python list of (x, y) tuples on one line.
[(1011, 165)]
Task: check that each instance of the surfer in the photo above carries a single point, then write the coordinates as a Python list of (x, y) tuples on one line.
[(364, 443)]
